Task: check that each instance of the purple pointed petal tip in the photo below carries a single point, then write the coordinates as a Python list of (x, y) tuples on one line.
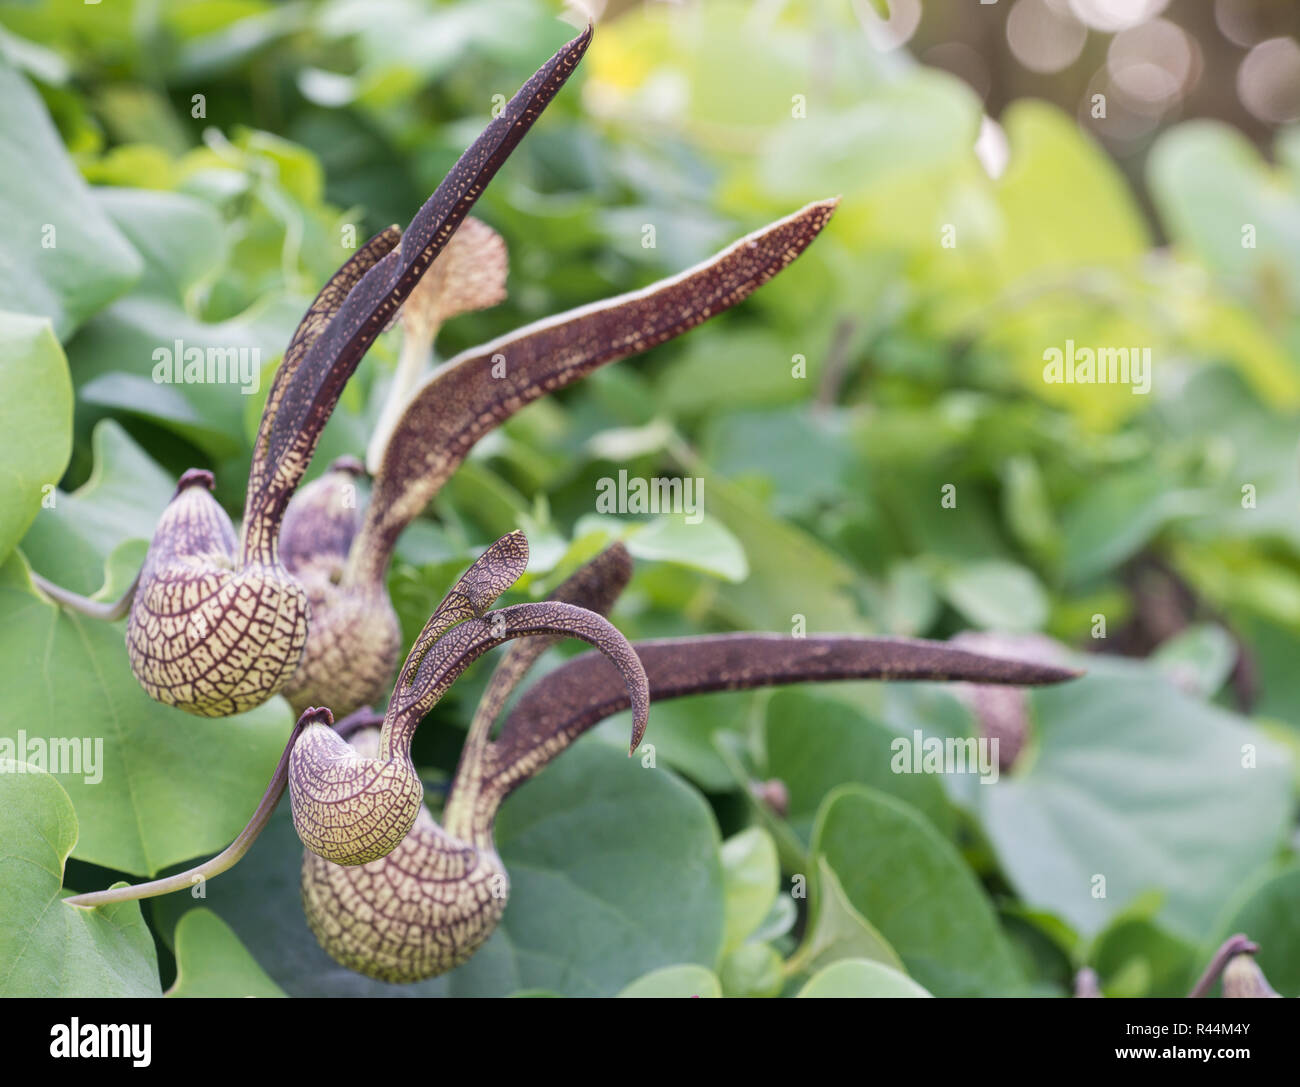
[(194, 477), (316, 715), (351, 465), (640, 719)]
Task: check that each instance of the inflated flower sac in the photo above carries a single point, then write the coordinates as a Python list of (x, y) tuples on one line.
[(217, 621), (390, 892), (428, 905)]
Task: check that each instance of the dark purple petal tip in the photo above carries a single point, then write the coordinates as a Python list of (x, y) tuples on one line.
[(351, 465), (316, 715), (194, 476)]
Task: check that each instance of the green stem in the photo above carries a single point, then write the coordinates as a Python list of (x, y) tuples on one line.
[(224, 860), (83, 605)]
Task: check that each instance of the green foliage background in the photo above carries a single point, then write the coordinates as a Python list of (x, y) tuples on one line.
[(923, 369)]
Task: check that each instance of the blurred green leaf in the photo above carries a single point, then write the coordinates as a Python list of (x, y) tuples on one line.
[(1065, 203), (792, 579), (181, 239), (35, 421), (996, 595), (1136, 957), (687, 980), (1134, 786), (64, 259), (815, 743), (685, 731), (751, 970), (750, 874), (1115, 518), (861, 978), (919, 127), (1219, 200), (802, 458), (1199, 659), (706, 546)]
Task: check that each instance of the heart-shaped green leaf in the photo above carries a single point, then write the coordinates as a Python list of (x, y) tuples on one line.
[(152, 785), (911, 884), (47, 948), (210, 961), (1189, 799), (838, 931)]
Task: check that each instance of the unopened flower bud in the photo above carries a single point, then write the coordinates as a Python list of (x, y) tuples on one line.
[(1242, 977)]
